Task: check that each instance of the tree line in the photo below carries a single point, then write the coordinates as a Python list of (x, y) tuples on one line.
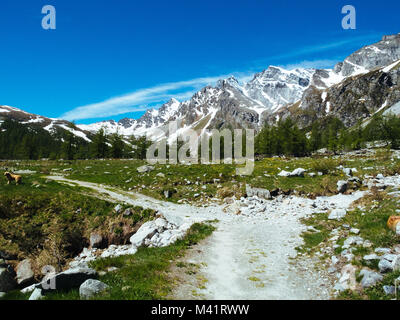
[(285, 138), (18, 141)]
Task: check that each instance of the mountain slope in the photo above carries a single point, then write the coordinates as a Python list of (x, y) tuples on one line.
[(366, 82)]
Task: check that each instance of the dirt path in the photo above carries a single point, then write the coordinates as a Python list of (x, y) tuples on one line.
[(247, 257)]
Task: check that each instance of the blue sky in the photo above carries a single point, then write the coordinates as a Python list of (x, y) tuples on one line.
[(112, 59)]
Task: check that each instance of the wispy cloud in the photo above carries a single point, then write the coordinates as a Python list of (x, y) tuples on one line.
[(318, 48), (140, 100)]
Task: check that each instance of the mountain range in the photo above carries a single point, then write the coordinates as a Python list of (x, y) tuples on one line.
[(365, 83)]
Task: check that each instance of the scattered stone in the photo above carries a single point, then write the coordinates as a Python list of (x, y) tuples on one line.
[(382, 250), (342, 186), (353, 240), (147, 230), (371, 257), (118, 208), (144, 169), (24, 272), (380, 176), (91, 287), (396, 263), (337, 214), (95, 240), (355, 230), (258, 192), (299, 172), (370, 278), (385, 266), (389, 290), (347, 279), (348, 172), (160, 175)]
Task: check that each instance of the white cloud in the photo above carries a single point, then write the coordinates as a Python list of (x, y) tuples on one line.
[(138, 100)]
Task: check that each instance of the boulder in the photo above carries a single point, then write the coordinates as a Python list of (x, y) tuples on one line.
[(95, 240), (370, 278), (118, 208), (385, 266), (69, 279), (337, 214), (91, 287), (144, 169), (299, 172), (146, 231), (25, 275), (284, 173), (342, 186), (347, 279), (371, 257), (396, 263), (389, 290), (353, 240), (258, 192), (382, 250), (7, 281), (348, 172)]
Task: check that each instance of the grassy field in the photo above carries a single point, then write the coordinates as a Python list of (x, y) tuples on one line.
[(51, 222), (369, 215), (200, 183)]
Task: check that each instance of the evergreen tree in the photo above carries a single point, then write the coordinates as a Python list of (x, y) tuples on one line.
[(99, 147)]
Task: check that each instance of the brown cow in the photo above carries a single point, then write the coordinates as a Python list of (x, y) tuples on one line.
[(13, 177)]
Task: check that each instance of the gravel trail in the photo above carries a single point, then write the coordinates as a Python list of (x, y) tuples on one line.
[(251, 255)]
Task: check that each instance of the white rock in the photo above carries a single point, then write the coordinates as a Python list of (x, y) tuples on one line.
[(385, 266), (370, 278), (36, 294), (91, 287), (337, 214), (147, 230)]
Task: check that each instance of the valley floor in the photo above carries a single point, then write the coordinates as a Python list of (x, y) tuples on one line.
[(247, 257)]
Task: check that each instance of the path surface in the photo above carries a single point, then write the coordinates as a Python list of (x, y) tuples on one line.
[(247, 257)]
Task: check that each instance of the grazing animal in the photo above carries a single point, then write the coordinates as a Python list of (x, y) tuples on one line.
[(13, 177), (393, 222)]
